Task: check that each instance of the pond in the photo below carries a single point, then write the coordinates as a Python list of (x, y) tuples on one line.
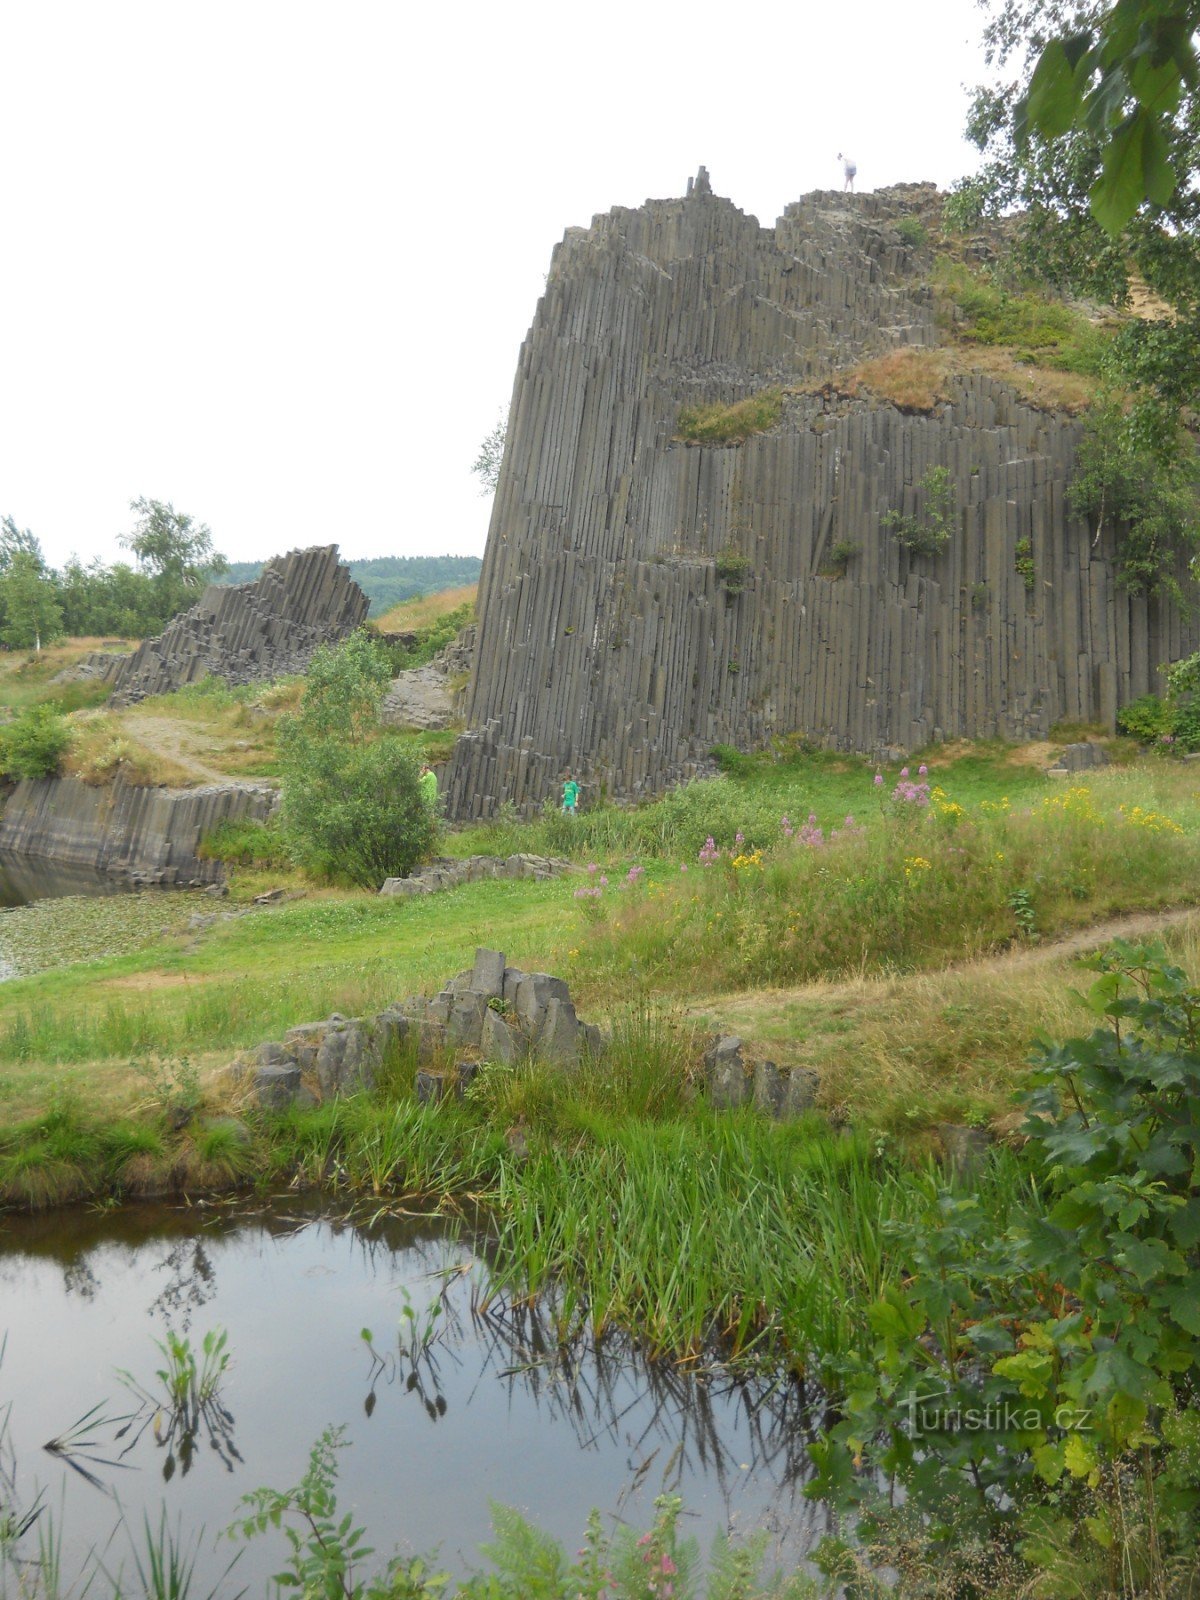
[(24, 879), (488, 1410)]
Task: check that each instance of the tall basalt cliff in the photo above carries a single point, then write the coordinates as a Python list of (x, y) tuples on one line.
[(609, 642)]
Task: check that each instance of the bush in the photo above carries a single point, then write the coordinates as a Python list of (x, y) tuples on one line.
[(1032, 1381), (352, 804), (912, 231), (927, 534), (33, 746), (1146, 719)]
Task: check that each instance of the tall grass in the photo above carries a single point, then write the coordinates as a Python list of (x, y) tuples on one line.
[(923, 886)]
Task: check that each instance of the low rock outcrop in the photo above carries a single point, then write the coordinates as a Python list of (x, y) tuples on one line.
[(245, 632), (731, 1081), (146, 835), (447, 872), (493, 1012)]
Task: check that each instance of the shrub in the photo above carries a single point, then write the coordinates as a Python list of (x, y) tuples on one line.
[(1069, 1331), (732, 569), (1023, 564), (33, 746), (352, 804), (927, 534), (912, 231), (1146, 718), (730, 424)]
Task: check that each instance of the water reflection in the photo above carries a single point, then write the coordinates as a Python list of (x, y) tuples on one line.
[(458, 1399)]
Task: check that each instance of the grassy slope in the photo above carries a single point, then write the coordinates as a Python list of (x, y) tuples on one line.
[(900, 1043), (411, 615)]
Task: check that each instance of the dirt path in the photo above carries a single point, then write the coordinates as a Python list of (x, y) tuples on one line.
[(1138, 925), (172, 742)]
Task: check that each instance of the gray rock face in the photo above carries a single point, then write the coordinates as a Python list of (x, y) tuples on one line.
[(500, 1042), (149, 835), (560, 1039), (487, 975), (610, 644), (247, 632), (464, 1025), (725, 1076), (799, 1092), (419, 698), (1082, 757), (278, 1086), (348, 1058), (768, 1088), (533, 995)]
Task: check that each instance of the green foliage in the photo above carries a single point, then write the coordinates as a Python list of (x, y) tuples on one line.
[(1037, 328), (841, 554), (730, 424), (352, 803), (1146, 719), (1032, 1375), (927, 531), (1023, 563), (733, 762), (327, 1553), (913, 232), (733, 568), (487, 463), (248, 843), (1148, 489), (33, 746), (430, 640), (1122, 78), (32, 614), (174, 550)]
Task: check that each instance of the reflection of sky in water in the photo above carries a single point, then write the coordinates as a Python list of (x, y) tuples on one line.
[(489, 1417)]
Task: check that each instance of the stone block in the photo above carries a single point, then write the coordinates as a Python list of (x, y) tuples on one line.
[(430, 1088), (725, 1074), (273, 1054), (767, 1089), (499, 1042), (533, 994), (348, 1058), (438, 1009), (431, 1042), (799, 1093), (464, 1025), (276, 1086), (594, 1042), (512, 977), (560, 1038), (487, 975)]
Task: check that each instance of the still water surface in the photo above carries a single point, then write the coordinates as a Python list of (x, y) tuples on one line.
[(490, 1413)]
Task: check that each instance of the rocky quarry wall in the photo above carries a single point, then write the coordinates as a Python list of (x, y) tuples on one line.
[(146, 835), (245, 632), (608, 642)]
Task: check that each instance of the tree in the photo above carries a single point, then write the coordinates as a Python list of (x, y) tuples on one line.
[(486, 466), (1125, 74), (352, 803), (32, 614), (174, 550)]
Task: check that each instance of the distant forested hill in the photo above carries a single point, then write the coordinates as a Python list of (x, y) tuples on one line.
[(388, 579)]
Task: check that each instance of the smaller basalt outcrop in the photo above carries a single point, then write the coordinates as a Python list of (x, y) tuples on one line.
[(245, 632), (432, 696), (492, 1012), (731, 1081), (447, 872)]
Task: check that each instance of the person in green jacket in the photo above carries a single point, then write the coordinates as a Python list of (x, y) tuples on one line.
[(427, 783), (570, 800)]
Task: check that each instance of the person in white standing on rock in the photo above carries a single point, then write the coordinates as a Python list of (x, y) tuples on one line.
[(849, 168)]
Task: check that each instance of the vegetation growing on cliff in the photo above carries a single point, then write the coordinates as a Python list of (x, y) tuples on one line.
[(719, 424)]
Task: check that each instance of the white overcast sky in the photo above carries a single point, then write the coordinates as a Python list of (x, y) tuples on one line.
[(273, 260)]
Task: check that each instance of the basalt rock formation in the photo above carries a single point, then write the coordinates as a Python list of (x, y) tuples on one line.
[(148, 835), (245, 632), (643, 599)]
